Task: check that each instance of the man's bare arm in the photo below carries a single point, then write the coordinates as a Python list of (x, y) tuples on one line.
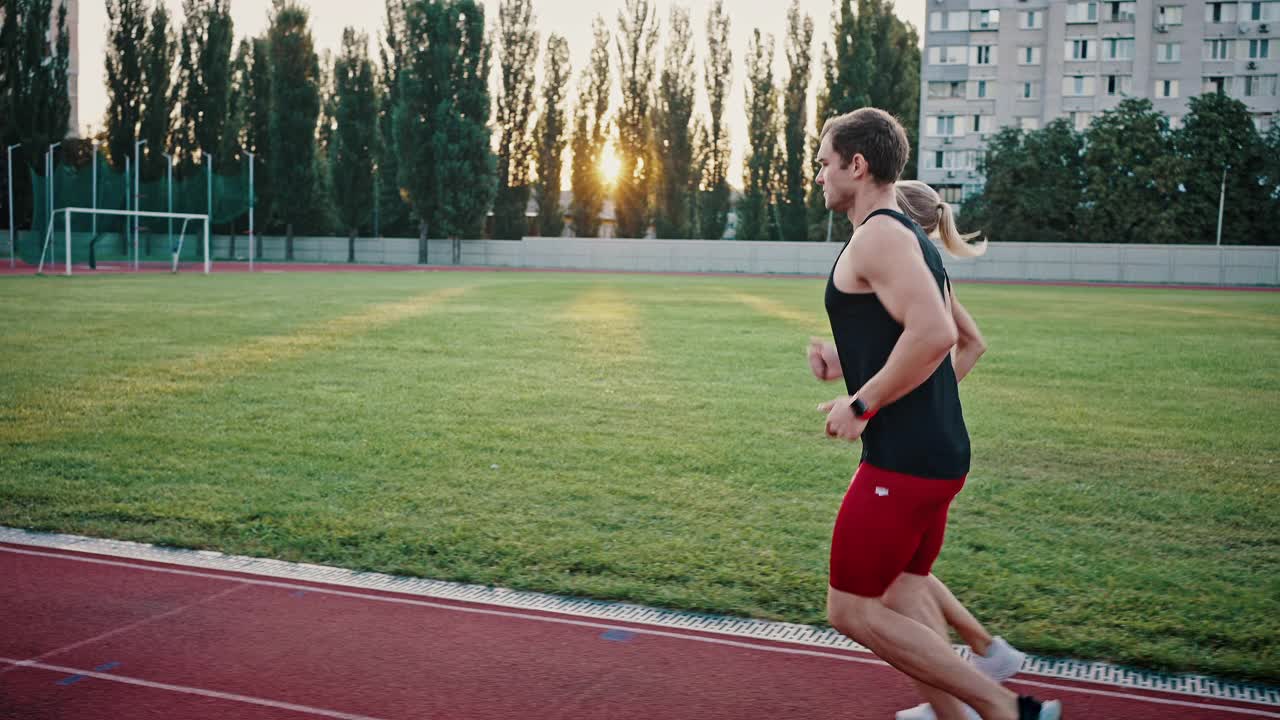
[(891, 264)]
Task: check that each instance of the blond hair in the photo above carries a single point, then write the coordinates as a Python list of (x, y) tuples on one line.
[(923, 204)]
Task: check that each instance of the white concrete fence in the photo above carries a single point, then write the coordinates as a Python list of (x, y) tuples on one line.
[(1084, 262), (1081, 262)]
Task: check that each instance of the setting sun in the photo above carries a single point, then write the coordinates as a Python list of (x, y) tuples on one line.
[(610, 164)]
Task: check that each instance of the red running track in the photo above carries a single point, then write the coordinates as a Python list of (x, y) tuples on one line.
[(87, 636)]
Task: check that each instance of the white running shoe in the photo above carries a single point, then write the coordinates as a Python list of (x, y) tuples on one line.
[(924, 711), (1001, 662)]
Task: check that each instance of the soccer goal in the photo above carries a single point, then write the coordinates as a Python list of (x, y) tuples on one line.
[(175, 249)]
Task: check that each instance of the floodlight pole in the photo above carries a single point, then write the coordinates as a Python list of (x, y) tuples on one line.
[(49, 177), (1222, 199), (12, 241), (168, 159), (208, 168), (246, 152), (94, 219), (830, 215), (137, 197)]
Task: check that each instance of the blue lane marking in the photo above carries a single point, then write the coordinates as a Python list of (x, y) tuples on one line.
[(73, 679), (298, 593), (617, 635)]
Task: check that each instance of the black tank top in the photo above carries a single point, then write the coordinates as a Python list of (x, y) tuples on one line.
[(923, 432)]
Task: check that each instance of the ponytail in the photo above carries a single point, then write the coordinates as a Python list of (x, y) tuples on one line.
[(957, 244)]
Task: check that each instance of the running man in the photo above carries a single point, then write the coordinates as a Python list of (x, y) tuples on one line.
[(993, 656), (889, 302)]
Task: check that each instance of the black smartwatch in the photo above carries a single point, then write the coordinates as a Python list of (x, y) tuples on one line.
[(860, 409)]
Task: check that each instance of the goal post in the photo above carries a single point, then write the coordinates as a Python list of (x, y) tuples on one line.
[(65, 227)]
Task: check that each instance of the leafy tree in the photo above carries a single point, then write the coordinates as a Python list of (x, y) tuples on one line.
[(551, 136), (590, 132), (355, 137), (1221, 150), (762, 141), (518, 54), (637, 36), (795, 111), (674, 132), (718, 75), (294, 109)]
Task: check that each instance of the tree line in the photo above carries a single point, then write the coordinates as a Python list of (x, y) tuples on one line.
[(1131, 177), (348, 143)]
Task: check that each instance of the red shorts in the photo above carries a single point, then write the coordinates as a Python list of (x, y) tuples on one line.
[(889, 523)]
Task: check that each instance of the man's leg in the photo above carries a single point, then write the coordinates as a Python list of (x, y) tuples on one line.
[(914, 597), (918, 651)]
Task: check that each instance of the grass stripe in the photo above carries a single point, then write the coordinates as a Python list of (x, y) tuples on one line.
[(58, 411)]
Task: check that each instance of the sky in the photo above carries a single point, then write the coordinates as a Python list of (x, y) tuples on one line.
[(566, 17)]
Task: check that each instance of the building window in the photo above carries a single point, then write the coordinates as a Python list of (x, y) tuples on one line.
[(1082, 12), (1031, 19), (1263, 11), (984, 20), (1166, 88), (952, 194), (982, 123), (1121, 11), (1259, 85), (1216, 84), (981, 90), (1028, 56), (1220, 12), (1081, 49), (954, 159), (947, 55), (1030, 90), (1119, 85), (1080, 120), (1218, 49), (1169, 15), (1029, 123), (1259, 49), (1077, 86), (945, 90), (982, 55), (944, 126), (1168, 52), (1119, 48), (949, 21)]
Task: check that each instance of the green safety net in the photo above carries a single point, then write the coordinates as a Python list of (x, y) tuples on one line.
[(110, 237)]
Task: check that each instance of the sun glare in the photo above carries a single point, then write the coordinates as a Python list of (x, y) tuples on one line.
[(610, 164)]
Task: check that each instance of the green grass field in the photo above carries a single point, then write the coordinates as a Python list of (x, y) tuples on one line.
[(655, 439)]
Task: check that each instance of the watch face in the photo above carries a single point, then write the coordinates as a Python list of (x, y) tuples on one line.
[(859, 408)]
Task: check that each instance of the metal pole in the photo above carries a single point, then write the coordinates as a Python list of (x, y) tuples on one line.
[(137, 198), (1222, 198), (93, 219), (128, 173), (206, 245), (12, 241), (209, 196), (168, 159), (49, 177), (66, 224), (830, 214), (250, 209)]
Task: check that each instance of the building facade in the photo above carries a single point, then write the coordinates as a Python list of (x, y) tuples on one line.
[(992, 63)]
